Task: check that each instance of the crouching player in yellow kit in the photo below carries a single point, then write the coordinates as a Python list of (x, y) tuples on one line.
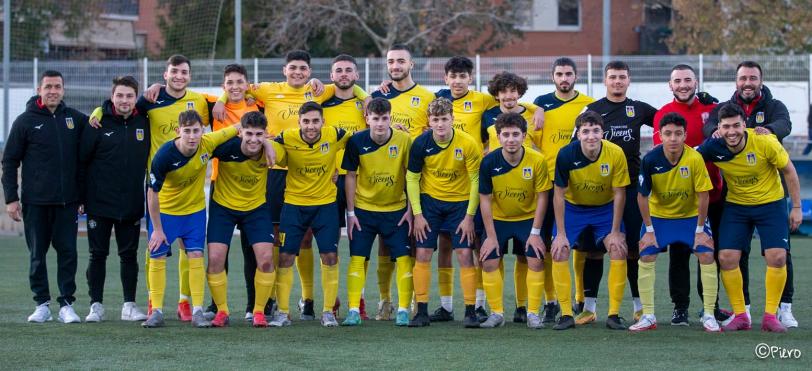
[(177, 209), (239, 200), (375, 161), (513, 190), (673, 200)]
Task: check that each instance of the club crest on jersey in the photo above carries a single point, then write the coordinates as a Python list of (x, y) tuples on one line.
[(359, 105), (683, 172), (458, 154), (629, 111), (415, 101), (468, 106), (139, 135), (190, 106), (204, 158), (308, 96), (527, 173), (325, 147), (759, 117), (751, 158), (69, 122), (604, 169), (393, 151)]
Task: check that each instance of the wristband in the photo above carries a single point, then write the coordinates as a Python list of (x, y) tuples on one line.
[(535, 231), (351, 213), (649, 229), (700, 229)]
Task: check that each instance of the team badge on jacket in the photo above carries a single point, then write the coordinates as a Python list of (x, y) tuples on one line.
[(759, 117), (139, 134), (69, 122)]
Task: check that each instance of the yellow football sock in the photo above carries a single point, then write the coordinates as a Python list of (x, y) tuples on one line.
[(304, 264), (284, 282), (157, 279), (535, 290), (578, 260), (563, 286), (445, 281), (479, 283), (263, 283), (492, 282), (329, 286), (519, 282), (502, 268), (710, 287), (774, 283), (355, 281), (468, 282), (422, 279), (183, 275), (275, 267), (646, 277), (404, 283), (732, 279), (197, 280), (549, 281), (385, 269), (146, 268), (218, 285), (617, 284)]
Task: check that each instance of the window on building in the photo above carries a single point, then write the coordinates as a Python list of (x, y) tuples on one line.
[(550, 15)]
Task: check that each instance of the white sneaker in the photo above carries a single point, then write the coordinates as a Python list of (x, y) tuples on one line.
[(710, 324), (96, 313), (280, 320), (646, 322), (131, 312), (747, 311), (68, 315), (249, 317), (328, 320), (785, 315), (42, 313)]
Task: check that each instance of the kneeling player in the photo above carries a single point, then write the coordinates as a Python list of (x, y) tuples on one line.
[(513, 198), (177, 209), (750, 164), (590, 181), (239, 200), (442, 183), (376, 161), (673, 199)]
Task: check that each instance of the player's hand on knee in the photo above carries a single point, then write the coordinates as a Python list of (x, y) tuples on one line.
[(489, 245), (560, 247), (14, 211), (421, 228), (703, 239), (352, 223), (466, 229), (157, 239), (534, 242), (408, 219), (648, 239)]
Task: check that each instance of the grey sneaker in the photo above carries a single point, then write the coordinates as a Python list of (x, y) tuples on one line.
[(96, 313), (328, 320), (156, 319), (533, 321), (280, 320), (199, 321), (42, 313), (494, 320)]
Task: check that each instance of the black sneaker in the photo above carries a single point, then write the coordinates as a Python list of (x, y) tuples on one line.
[(269, 308), (550, 312), (614, 322), (441, 315), (679, 318), (421, 318), (308, 314), (577, 308), (564, 323), (520, 315), (471, 319), (721, 315), (481, 314)]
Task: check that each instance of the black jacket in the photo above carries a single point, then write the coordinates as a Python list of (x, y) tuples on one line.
[(46, 144), (768, 112), (112, 165)]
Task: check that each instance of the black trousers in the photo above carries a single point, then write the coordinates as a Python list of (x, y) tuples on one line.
[(128, 232), (47, 225)]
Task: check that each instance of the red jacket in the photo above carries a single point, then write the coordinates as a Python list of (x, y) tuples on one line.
[(696, 114)]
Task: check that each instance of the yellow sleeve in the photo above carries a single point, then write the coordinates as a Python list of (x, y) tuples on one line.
[(215, 138), (281, 154), (359, 92), (210, 98), (329, 92), (488, 101), (702, 181), (342, 143), (543, 182), (473, 193), (413, 191), (621, 176), (203, 109), (530, 107), (97, 113), (775, 152)]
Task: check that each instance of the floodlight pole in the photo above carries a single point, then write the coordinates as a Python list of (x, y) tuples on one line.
[(237, 30), (6, 63)]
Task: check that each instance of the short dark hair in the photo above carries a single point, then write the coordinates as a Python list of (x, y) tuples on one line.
[(505, 80), (51, 73), (235, 68), (255, 120), (403, 47), (683, 67), (379, 106), (344, 58), (128, 81), (459, 64), (616, 65), (177, 60), (673, 118), (750, 64), (310, 107), (564, 61), (297, 55), (510, 120), (730, 110), (588, 117), (189, 118)]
